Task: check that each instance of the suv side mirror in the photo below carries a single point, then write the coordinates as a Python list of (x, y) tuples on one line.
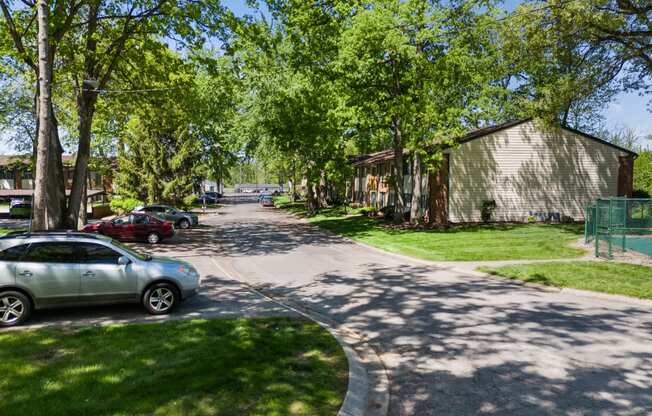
[(123, 260)]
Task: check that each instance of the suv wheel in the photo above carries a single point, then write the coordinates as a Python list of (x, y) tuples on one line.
[(160, 299), (184, 224), (15, 308), (153, 238)]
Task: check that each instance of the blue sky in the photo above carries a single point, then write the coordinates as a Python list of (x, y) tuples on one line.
[(628, 109)]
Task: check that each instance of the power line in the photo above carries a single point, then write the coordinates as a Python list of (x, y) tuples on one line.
[(134, 91)]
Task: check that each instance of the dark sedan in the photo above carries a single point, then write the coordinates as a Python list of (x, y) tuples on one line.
[(134, 227)]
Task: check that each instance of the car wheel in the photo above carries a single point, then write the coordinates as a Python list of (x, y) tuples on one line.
[(153, 238), (184, 224), (15, 308), (160, 299)]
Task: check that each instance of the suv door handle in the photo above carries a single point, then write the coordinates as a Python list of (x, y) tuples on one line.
[(25, 273), (88, 274)]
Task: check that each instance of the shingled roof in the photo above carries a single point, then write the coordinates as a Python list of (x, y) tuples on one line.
[(476, 134)]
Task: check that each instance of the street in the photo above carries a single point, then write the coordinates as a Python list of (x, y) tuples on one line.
[(452, 343)]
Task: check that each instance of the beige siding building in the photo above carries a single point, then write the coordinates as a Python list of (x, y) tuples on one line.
[(526, 170)]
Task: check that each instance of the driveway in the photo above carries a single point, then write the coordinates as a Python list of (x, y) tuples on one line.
[(453, 343)]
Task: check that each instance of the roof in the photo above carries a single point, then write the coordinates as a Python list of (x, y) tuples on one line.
[(477, 134), (4, 193), (26, 159)]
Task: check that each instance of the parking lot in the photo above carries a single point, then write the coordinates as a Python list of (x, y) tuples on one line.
[(218, 296)]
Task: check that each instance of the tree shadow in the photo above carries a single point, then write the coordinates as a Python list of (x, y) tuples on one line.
[(463, 345)]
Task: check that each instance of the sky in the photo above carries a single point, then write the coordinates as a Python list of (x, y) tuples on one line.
[(627, 110)]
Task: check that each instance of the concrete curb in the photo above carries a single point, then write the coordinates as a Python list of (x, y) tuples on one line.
[(368, 385), (576, 292)]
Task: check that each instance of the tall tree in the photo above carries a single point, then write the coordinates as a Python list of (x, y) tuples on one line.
[(43, 135)]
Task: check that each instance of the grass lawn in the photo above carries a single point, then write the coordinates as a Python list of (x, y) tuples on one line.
[(463, 243), (277, 366), (615, 278)]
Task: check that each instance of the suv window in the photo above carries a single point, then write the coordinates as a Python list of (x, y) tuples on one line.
[(121, 220), (99, 254), (53, 253), (13, 253)]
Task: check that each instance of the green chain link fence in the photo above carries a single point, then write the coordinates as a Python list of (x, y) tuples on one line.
[(621, 223)]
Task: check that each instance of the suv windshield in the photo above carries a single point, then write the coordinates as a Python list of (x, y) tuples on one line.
[(131, 251)]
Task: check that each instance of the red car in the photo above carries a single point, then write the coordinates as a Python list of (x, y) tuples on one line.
[(134, 227)]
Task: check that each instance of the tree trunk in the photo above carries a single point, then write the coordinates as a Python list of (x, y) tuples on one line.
[(399, 205), (322, 190), (81, 221), (56, 190), (40, 220), (416, 215), (311, 201), (85, 110)]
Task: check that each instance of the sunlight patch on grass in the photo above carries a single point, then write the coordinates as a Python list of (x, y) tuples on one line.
[(615, 278), (274, 366), (460, 243)]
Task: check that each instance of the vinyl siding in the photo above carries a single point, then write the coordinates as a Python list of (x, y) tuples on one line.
[(525, 169)]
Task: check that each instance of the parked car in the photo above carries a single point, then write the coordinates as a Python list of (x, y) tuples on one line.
[(134, 227), (206, 198), (214, 194), (181, 219), (20, 210), (52, 269), (267, 201)]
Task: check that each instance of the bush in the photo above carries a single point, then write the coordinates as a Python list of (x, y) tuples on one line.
[(188, 201), (487, 210), (369, 211), (123, 205)]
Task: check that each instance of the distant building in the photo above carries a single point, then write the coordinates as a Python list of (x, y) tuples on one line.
[(257, 187), (17, 178), (212, 186)]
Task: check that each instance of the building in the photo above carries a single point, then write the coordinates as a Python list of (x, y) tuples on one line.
[(526, 170), (17, 179), (257, 187)]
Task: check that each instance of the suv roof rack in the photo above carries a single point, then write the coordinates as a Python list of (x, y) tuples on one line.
[(62, 233)]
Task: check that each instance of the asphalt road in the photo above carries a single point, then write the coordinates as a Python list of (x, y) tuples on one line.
[(453, 343)]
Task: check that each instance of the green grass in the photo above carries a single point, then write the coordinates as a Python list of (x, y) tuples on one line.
[(462, 243), (614, 278), (277, 366)]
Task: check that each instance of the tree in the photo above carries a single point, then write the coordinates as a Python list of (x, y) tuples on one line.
[(44, 103), (96, 43), (560, 75), (423, 72)]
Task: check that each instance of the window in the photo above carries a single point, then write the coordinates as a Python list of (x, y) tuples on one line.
[(373, 171), (139, 219), (121, 221), (6, 174), (99, 254), (13, 253), (407, 167), (26, 174), (53, 253), (381, 170)]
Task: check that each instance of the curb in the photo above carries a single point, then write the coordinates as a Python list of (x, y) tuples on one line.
[(368, 385)]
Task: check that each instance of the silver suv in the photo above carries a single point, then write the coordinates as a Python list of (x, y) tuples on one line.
[(45, 270)]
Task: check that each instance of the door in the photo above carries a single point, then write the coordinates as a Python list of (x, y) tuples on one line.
[(140, 226), (122, 229), (102, 278), (51, 271)]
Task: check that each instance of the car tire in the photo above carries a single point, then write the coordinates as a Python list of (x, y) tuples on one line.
[(184, 224), (15, 308), (153, 238), (161, 298)]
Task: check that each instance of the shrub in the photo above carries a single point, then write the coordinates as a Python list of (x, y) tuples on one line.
[(369, 211), (565, 219), (487, 210), (188, 201), (123, 205)]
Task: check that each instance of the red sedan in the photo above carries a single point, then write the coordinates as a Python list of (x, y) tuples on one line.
[(134, 227)]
